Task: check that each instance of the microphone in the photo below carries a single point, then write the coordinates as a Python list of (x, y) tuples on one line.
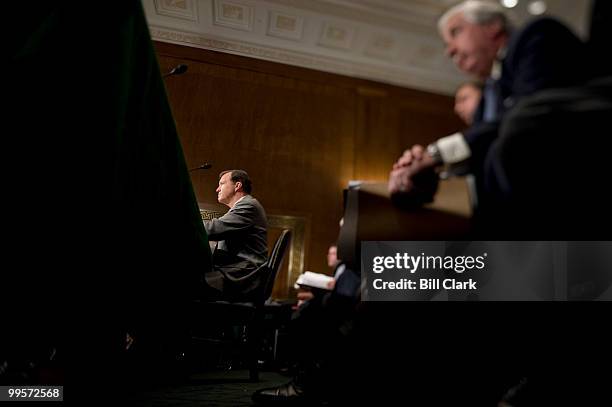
[(204, 166), (177, 70)]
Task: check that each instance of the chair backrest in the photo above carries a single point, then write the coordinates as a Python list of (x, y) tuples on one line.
[(274, 261)]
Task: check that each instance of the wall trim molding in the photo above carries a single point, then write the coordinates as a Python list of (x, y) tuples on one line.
[(412, 77)]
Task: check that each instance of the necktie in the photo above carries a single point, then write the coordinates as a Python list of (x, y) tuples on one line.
[(491, 100)]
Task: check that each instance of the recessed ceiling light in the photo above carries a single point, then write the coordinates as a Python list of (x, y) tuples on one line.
[(509, 3), (536, 7)]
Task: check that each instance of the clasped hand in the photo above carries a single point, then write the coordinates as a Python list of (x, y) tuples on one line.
[(414, 161)]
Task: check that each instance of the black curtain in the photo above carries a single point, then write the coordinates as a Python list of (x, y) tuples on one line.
[(102, 232)]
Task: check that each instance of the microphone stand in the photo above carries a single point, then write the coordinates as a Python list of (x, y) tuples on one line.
[(205, 166), (177, 70)]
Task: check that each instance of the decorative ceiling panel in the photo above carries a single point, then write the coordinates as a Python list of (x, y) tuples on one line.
[(392, 41)]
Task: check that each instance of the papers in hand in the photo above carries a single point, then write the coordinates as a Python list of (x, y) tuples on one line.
[(316, 280)]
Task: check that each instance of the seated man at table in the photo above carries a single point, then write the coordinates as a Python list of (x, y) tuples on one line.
[(242, 247), (515, 64)]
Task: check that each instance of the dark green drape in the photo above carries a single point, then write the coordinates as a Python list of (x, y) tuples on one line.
[(99, 211)]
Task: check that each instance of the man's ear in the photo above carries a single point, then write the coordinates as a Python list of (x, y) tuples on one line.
[(238, 185), (493, 29)]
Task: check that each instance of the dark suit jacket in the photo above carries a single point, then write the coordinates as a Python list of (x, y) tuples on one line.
[(544, 54), (241, 251)]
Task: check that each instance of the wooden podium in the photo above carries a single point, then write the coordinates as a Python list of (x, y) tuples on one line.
[(369, 214)]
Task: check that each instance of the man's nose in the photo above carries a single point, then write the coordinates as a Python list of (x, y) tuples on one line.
[(451, 51)]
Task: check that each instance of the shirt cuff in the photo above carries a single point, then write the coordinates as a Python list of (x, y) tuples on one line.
[(453, 149)]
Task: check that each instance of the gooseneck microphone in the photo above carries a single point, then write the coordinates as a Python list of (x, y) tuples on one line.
[(177, 70), (204, 166)]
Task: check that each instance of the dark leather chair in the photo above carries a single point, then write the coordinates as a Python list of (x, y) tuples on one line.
[(599, 37), (552, 153), (248, 315)]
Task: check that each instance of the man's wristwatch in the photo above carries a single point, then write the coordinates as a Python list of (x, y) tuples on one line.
[(434, 152)]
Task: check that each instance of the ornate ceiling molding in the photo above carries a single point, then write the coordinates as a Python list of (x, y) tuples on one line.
[(418, 16), (392, 41), (413, 77), (308, 34)]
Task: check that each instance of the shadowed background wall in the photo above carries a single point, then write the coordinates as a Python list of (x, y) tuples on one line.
[(301, 134)]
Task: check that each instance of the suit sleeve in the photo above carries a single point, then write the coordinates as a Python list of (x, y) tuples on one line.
[(550, 56), (480, 137), (233, 223)]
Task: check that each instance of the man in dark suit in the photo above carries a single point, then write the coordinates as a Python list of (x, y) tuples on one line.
[(241, 233), (528, 125), (467, 99), (514, 64)]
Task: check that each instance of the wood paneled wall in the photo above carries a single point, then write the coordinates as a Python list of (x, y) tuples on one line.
[(301, 134)]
